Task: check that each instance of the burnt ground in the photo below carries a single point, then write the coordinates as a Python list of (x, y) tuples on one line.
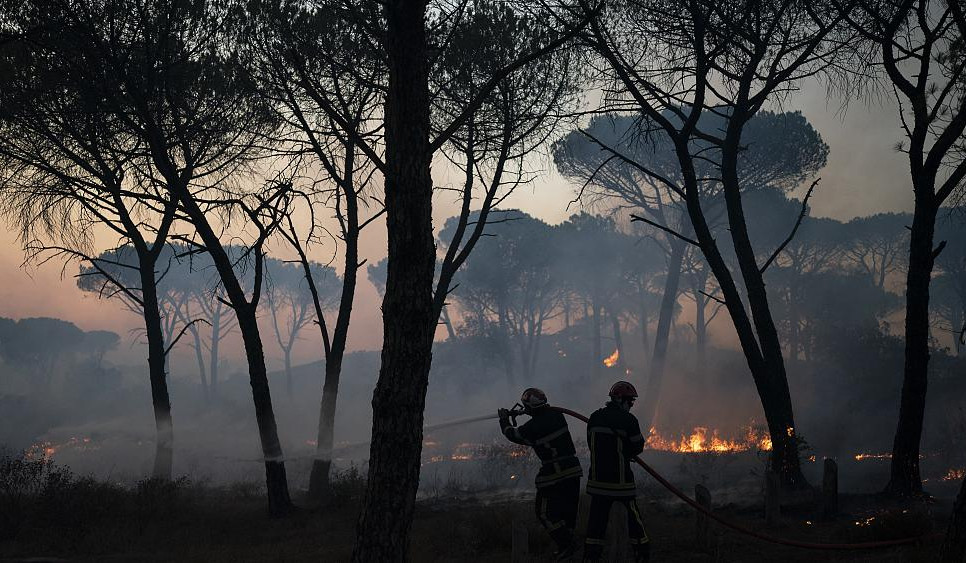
[(183, 521)]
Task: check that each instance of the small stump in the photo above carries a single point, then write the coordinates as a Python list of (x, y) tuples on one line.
[(773, 509), (830, 490), (702, 528)]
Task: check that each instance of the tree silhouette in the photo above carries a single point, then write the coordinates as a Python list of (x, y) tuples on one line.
[(287, 296)]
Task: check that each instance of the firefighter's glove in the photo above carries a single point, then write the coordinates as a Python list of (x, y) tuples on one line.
[(504, 415)]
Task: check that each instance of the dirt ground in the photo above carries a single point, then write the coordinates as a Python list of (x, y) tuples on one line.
[(187, 522)]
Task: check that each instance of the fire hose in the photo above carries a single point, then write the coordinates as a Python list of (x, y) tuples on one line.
[(518, 410), (748, 531)]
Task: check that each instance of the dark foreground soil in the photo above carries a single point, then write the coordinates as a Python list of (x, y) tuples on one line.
[(189, 522)]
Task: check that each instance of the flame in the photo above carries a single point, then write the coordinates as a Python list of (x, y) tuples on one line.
[(46, 450), (611, 361), (860, 457), (955, 474), (703, 440)]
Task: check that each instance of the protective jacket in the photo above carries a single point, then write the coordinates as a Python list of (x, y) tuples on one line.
[(548, 434), (614, 438)]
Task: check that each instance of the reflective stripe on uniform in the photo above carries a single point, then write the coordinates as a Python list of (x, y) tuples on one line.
[(606, 430), (614, 486), (638, 438), (551, 436), (516, 434), (640, 521), (544, 480), (629, 493)]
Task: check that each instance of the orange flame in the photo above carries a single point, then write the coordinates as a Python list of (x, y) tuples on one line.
[(860, 457), (46, 450), (611, 361), (703, 440)]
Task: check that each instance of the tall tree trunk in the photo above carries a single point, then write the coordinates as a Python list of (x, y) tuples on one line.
[(164, 446), (645, 338), (505, 344), (775, 395), (905, 479), (199, 357), (450, 332), (596, 349), (408, 310), (279, 502), (700, 330), (319, 478), (213, 354), (615, 323), (288, 370), (652, 391), (958, 329)]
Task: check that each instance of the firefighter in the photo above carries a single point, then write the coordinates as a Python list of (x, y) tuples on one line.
[(614, 438), (558, 481)]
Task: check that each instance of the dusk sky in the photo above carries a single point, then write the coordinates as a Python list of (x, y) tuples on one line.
[(864, 175)]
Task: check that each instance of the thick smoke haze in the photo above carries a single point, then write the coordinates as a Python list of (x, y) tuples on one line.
[(864, 175), (218, 441)]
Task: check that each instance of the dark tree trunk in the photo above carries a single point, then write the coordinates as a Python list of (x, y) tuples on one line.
[(288, 371), (615, 323), (655, 380), (596, 349), (408, 309), (164, 447), (319, 478), (213, 355), (645, 338), (905, 479), (276, 482), (774, 392), (954, 546), (775, 403), (505, 345), (450, 332), (700, 331), (199, 357), (279, 502), (958, 327)]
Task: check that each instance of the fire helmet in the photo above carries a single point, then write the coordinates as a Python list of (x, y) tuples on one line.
[(533, 398), (622, 390)]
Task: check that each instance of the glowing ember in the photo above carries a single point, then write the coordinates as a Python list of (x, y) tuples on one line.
[(955, 474), (860, 457), (703, 440), (46, 450), (611, 361)]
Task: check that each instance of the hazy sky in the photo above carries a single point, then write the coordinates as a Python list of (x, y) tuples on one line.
[(864, 175)]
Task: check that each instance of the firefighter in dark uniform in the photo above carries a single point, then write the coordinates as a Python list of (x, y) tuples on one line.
[(614, 438), (558, 481)]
